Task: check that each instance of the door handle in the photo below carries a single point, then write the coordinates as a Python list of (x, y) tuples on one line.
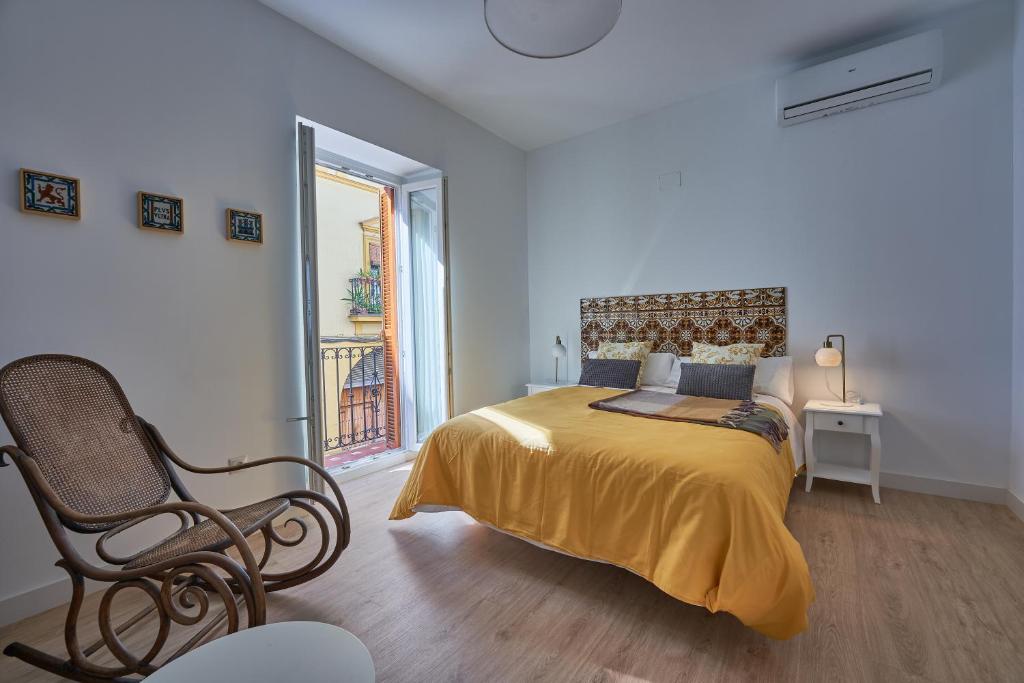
[(304, 418)]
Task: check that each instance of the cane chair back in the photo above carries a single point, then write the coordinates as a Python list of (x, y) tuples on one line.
[(72, 418)]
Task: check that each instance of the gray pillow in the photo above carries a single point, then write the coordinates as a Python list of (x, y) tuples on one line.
[(734, 382), (614, 373)]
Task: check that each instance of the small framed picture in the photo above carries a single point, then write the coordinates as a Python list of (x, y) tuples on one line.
[(49, 194), (161, 212), (245, 226)]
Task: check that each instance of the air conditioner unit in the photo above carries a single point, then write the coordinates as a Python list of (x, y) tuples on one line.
[(906, 67)]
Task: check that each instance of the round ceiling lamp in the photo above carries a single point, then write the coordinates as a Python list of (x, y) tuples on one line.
[(550, 28)]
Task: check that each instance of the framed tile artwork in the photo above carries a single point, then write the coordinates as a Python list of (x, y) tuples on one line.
[(50, 194), (245, 226), (161, 213)]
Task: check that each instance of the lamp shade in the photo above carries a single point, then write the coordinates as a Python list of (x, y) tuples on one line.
[(546, 29), (828, 357), (557, 350)]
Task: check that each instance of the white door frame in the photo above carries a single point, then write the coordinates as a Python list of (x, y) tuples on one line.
[(310, 303), (308, 157)]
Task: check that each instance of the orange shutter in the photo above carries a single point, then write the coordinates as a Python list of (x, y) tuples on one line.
[(389, 331)]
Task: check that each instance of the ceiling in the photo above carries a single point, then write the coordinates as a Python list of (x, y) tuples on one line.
[(661, 51)]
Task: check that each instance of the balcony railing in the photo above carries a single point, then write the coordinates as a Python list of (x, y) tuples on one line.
[(352, 375), (365, 296)]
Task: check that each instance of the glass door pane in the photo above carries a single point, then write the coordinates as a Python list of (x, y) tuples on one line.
[(426, 248), (352, 228)]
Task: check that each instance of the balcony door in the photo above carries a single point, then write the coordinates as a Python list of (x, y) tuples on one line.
[(375, 307), (350, 310)]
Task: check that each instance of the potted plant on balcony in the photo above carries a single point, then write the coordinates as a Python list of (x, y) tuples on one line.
[(357, 297), (360, 294)]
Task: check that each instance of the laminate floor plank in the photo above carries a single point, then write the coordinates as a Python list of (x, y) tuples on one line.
[(919, 589)]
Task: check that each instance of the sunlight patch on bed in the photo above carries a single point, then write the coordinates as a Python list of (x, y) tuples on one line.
[(528, 435)]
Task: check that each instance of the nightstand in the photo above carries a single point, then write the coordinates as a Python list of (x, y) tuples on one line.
[(853, 419), (547, 385)]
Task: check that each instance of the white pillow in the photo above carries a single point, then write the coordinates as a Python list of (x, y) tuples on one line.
[(657, 369), (673, 376), (774, 376)]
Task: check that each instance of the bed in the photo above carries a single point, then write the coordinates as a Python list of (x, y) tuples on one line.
[(698, 510)]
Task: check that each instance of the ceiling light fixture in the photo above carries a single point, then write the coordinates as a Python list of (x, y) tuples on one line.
[(546, 29)]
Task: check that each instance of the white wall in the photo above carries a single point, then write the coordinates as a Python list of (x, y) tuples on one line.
[(199, 99), (340, 209), (891, 224), (1016, 485)]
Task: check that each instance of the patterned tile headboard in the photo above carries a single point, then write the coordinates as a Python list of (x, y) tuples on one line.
[(674, 321)]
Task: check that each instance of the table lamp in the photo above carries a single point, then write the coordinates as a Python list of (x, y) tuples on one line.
[(829, 356), (558, 351)]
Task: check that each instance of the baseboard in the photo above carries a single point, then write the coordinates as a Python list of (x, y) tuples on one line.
[(1015, 504), (942, 487), (31, 602), (22, 605)]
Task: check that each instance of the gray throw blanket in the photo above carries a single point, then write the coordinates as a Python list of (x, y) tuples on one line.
[(718, 412)]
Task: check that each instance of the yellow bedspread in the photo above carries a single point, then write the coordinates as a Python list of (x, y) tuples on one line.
[(697, 510)]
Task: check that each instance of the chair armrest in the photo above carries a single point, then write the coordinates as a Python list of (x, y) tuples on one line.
[(158, 438), (108, 557), (30, 470), (12, 451)]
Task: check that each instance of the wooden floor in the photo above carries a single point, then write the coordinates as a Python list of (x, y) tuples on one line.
[(919, 588)]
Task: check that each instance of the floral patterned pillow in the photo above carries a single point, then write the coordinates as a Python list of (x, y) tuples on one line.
[(627, 351), (733, 354)]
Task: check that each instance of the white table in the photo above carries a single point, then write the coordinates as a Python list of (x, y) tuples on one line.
[(854, 419), (537, 387), (286, 651)]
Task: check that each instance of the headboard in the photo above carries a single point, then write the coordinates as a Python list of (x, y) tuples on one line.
[(674, 321)]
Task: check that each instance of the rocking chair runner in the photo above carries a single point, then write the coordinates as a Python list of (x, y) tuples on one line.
[(92, 466)]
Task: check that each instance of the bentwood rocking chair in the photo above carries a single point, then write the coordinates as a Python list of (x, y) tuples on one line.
[(94, 467)]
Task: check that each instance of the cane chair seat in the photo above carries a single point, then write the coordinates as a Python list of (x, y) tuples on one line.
[(207, 535)]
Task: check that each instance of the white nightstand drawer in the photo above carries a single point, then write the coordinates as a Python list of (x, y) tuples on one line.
[(839, 423), (538, 387)]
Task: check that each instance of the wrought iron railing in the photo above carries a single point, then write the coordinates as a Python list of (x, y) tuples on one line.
[(352, 377), (365, 295)]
